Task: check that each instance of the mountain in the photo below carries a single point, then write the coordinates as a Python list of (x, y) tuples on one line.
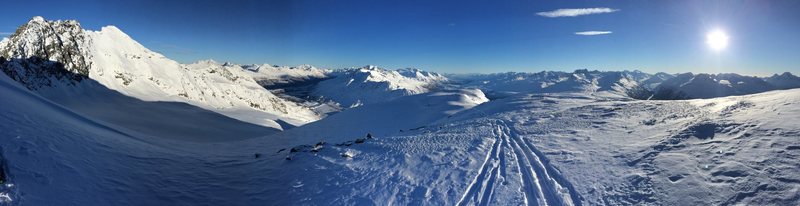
[(50, 56), (272, 75), (371, 84), (27, 52), (93, 117), (694, 86), (784, 81), (623, 83), (653, 81)]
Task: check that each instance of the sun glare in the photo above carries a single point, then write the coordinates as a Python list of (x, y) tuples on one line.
[(717, 40)]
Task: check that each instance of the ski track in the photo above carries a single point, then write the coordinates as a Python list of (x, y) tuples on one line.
[(542, 184), (482, 186)]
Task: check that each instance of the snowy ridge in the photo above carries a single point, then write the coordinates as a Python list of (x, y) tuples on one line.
[(693, 86), (652, 82), (623, 83), (268, 75), (784, 81), (370, 84), (116, 61)]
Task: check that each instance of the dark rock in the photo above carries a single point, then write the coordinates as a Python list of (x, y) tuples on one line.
[(369, 136), (257, 155), (360, 140), (2, 168)]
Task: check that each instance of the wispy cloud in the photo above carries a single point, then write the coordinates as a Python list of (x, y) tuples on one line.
[(592, 33), (576, 12)]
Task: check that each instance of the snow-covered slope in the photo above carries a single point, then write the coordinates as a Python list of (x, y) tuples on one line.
[(693, 86), (119, 63), (407, 113), (371, 84), (569, 149), (51, 155)]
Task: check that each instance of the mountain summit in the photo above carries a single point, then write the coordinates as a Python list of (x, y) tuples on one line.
[(52, 56)]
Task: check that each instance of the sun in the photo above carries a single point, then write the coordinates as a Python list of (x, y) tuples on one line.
[(717, 40)]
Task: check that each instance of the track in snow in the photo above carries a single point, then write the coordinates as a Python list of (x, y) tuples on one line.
[(542, 184)]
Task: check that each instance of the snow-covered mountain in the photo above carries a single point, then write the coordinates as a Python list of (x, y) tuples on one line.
[(693, 86), (653, 81), (45, 54), (80, 110), (582, 81), (269, 75), (371, 84), (784, 81)]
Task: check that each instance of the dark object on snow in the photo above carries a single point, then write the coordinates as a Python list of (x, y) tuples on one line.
[(348, 143), (369, 136), (257, 155), (315, 149), (294, 149), (279, 151), (360, 140), (320, 143), (345, 155), (2, 168), (288, 157)]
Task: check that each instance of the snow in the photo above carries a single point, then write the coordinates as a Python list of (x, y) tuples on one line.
[(269, 74), (381, 119), (571, 148), (497, 85), (784, 81), (150, 76), (694, 86), (143, 129), (37, 19), (372, 84)]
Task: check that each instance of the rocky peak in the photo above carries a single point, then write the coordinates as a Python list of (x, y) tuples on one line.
[(42, 49)]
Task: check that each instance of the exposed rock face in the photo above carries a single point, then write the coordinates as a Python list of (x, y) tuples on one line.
[(41, 52)]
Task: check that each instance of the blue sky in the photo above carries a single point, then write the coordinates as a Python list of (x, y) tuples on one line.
[(450, 36)]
